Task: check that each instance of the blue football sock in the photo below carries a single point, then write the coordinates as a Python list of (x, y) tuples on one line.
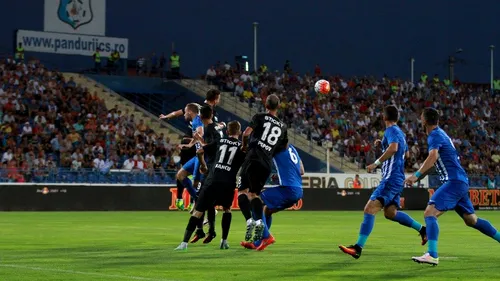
[(487, 229), (266, 229), (365, 229), (269, 221), (189, 185), (432, 234), (404, 219)]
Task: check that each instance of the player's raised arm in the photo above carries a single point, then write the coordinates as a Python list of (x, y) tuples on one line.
[(173, 114), (248, 131), (389, 152), (424, 169)]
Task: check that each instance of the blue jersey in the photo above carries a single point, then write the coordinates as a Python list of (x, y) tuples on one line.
[(287, 164), (393, 169), (195, 124), (448, 163)]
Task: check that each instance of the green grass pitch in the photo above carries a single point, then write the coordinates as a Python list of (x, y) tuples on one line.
[(139, 246)]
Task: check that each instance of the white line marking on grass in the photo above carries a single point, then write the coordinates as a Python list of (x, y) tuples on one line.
[(83, 273), (448, 258)]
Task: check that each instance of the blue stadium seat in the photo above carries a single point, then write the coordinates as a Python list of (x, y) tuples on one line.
[(156, 179), (91, 177)]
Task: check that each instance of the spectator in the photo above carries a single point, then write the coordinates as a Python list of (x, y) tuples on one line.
[(175, 65), (350, 116), (211, 74)]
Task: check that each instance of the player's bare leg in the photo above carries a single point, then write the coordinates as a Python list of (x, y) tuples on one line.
[(371, 209)]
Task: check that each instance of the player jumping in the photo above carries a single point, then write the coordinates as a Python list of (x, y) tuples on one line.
[(387, 194), (453, 194), (210, 139), (290, 169), (212, 99), (218, 188), (192, 166), (266, 133)]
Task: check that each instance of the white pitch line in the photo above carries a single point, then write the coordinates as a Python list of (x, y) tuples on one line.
[(84, 273), (448, 258)]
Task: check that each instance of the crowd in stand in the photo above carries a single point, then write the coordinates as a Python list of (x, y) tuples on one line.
[(48, 123), (350, 116)]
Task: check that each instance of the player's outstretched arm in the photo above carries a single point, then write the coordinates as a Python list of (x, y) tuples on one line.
[(199, 138), (389, 152), (189, 145), (171, 115)]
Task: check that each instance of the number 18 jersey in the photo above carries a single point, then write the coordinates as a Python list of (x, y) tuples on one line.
[(268, 133)]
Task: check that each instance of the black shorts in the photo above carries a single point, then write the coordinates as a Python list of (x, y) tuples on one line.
[(215, 194), (254, 175)]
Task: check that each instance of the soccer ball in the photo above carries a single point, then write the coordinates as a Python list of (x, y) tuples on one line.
[(322, 87)]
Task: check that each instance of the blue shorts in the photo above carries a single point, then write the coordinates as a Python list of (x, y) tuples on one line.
[(453, 195), (193, 167), (388, 193), (281, 197)]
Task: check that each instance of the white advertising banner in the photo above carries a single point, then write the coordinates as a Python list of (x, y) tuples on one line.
[(71, 44), (321, 180), (75, 16)]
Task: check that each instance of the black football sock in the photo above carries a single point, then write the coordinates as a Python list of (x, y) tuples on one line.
[(180, 189), (190, 228), (211, 219), (244, 205), (226, 224), (257, 208), (199, 225)]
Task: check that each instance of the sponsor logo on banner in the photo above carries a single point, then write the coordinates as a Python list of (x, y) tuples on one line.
[(322, 180), (46, 190), (482, 199), (186, 197), (75, 16), (71, 44)]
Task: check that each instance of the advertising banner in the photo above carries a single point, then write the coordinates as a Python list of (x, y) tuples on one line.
[(77, 17), (115, 197), (71, 44), (322, 180)]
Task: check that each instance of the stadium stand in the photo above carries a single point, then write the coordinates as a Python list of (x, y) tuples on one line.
[(58, 128), (350, 116), (233, 105)]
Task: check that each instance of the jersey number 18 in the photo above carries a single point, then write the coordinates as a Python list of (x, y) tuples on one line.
[(271, 133)]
